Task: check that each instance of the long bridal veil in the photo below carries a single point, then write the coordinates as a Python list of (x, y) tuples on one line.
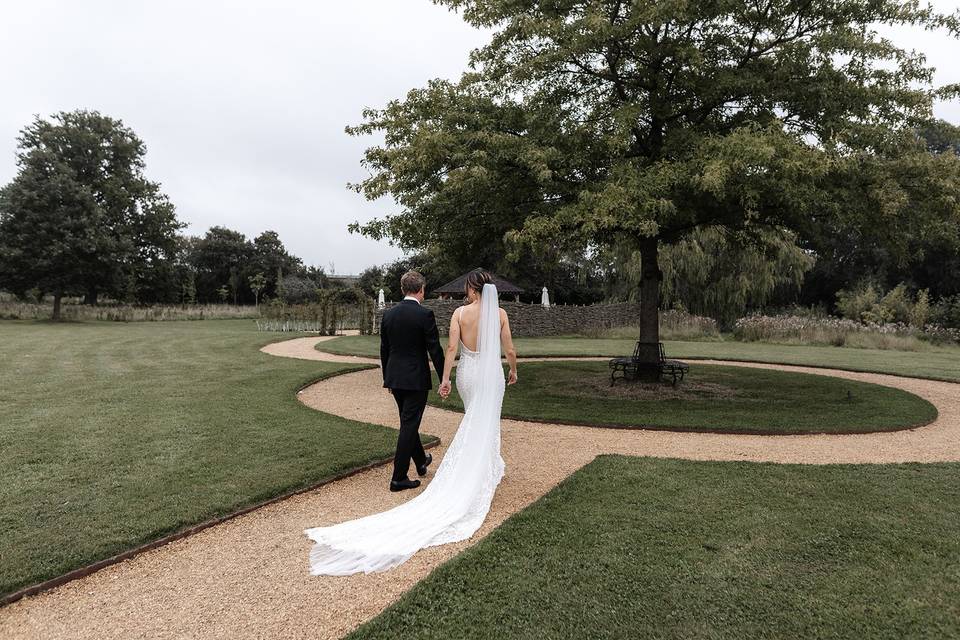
[(456, 501)]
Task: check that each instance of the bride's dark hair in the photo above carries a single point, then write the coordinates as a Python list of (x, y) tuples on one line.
[(477, 278)]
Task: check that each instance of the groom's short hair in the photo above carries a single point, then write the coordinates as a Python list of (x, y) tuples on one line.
[(412, 282)]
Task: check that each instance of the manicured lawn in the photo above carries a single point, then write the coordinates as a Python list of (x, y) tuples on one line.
[(112, 435), (941, 363), (647, 548), (712, 397)]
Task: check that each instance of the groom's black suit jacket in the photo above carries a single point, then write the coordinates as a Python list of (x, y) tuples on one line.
[(408, 332)]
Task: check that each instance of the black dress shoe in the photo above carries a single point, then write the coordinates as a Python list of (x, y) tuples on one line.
[(422, 469), (400, 485)]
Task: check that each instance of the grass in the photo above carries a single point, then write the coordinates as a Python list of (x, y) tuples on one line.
[(712, 397), (113, 434), (669, 549), (937, 363)]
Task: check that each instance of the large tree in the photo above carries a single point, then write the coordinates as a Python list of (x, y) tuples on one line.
[(593, 123), (80, 216)]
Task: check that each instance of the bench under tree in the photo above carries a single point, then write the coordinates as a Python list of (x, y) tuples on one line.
[(632, 367)]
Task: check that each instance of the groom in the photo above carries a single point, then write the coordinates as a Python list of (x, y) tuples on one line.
[(408, 332)]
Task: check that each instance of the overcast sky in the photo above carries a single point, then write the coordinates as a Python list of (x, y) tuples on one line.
[(242, 104)]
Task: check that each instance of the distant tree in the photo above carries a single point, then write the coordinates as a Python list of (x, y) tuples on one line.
[(371, 280), (318, 275), (80, 216), (257, 283), (189, 288), (917, 239), (299, 290), (226, 255), (224, 293), (940, 136), (130, 291), (214, 257), (269, 254), (235, 284), (281, 295), (587, 125)]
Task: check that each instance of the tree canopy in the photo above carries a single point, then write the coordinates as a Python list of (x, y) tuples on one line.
[(225, 257), (930, 256), (80, 216), (590, 123)]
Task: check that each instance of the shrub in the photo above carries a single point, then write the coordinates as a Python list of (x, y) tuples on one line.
[(946, 312), (854, 305), (921, 310), (896, 306), (865, 304)]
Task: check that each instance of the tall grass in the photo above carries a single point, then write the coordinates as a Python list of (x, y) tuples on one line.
[(841, 332), (795, 328), (16, 310), (674, 325)]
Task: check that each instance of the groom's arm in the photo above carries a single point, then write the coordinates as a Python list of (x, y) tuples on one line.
[(384, 352), (432, 336)]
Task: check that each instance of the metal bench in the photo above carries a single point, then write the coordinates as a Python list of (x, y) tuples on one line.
[(631, 367)]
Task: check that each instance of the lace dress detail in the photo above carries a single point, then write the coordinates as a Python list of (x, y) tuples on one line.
[(468, 374), (457, 499), (467, 369)]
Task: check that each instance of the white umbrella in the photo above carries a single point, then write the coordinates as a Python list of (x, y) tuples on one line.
[(381, 303), (545, 298)]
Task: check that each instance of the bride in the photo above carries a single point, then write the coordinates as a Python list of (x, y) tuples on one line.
[(456, 501)]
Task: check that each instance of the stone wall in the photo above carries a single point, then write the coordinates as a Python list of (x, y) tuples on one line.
[(535, 320)]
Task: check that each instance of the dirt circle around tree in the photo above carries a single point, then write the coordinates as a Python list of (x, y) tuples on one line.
[(713, 398)]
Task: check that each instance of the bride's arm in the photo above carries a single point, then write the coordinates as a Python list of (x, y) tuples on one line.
[(506, 341), (452, 343)]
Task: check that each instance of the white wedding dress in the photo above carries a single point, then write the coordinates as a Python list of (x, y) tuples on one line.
[(456, 501)]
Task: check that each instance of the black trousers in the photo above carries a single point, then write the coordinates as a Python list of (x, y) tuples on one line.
[(411, 405)]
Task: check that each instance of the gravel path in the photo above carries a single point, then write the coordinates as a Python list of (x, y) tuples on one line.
[(247, 578)]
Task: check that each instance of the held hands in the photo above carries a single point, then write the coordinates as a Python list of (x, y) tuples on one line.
[(445, 388), (512, 377)]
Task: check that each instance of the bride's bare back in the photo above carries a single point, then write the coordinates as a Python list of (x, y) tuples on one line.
[(467, 319), (465, 328)]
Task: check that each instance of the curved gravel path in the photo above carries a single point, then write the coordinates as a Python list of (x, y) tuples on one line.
[(247, 578)]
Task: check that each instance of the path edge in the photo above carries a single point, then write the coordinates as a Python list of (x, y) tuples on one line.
[(82, 572), (586, 356), (708, 431)]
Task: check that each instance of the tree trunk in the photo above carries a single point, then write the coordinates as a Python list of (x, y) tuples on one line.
[(91, 296), (649, 352), (57, 294)]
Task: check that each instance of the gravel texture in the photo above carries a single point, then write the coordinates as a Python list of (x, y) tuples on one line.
[(248, 577)]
